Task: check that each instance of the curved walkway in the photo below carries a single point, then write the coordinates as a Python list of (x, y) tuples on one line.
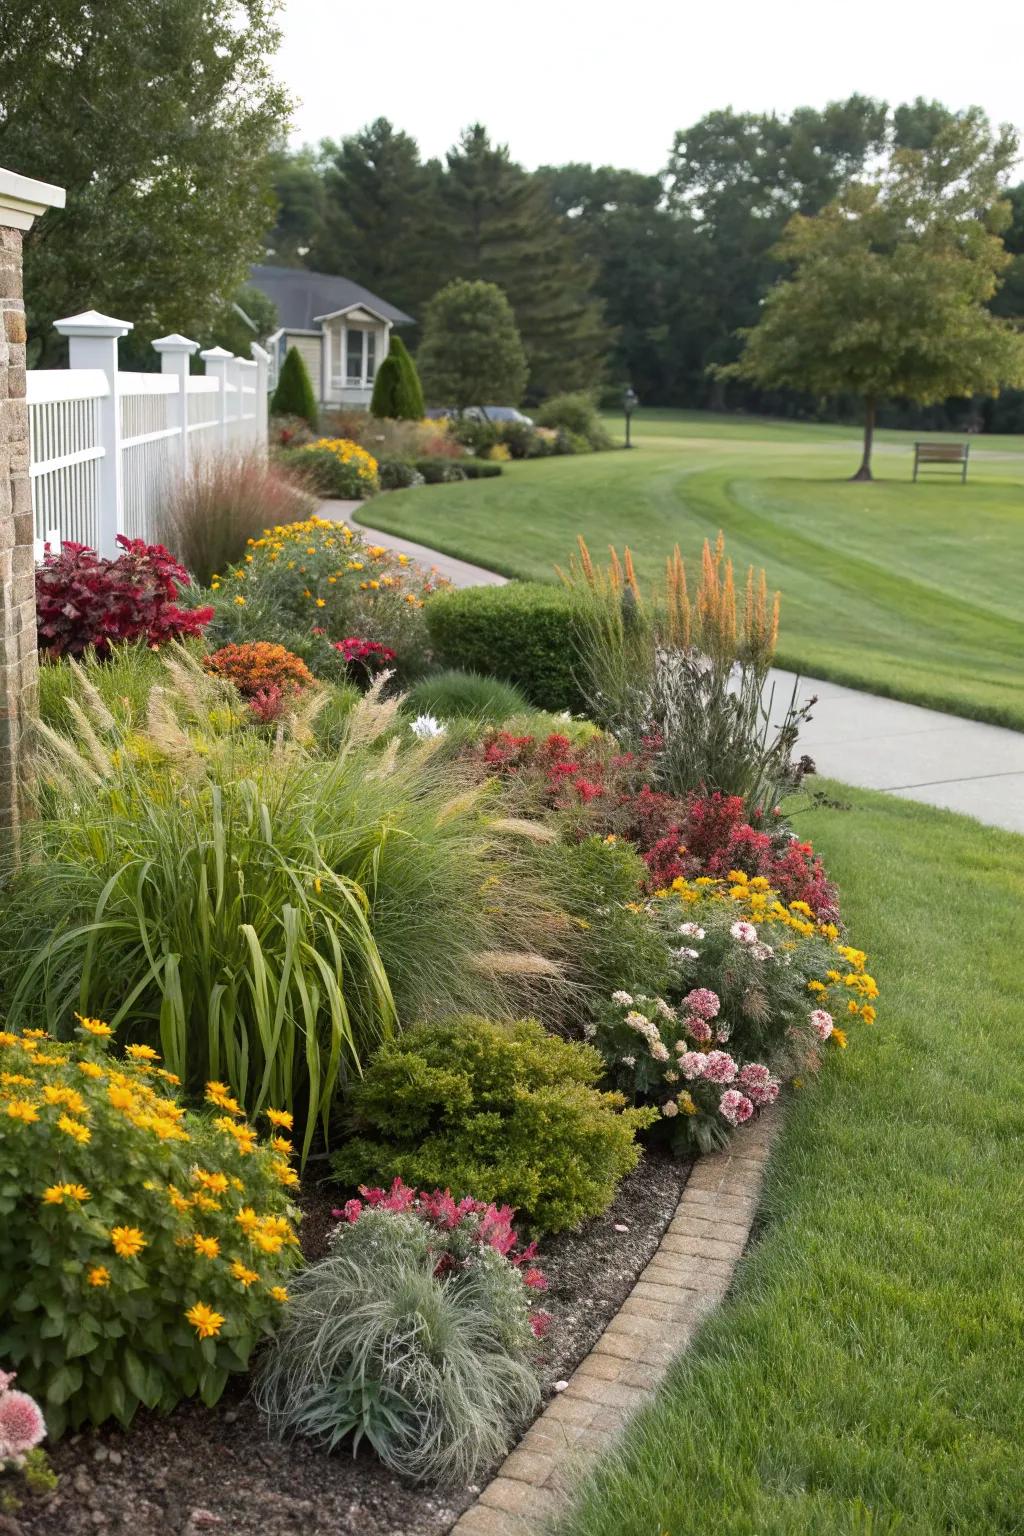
[(860, 738)]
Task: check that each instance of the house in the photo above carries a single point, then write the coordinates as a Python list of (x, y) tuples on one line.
[(342, 330)]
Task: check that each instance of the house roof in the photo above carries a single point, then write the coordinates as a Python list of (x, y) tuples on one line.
[(302, 296)]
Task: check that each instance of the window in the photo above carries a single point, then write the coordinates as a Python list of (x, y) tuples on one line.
[(354, 359), (371, 353)]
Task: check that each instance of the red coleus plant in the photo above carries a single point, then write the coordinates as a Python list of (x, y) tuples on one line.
[(83, 599), (461, 1225)]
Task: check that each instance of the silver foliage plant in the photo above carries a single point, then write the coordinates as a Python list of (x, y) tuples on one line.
[(435, 1370)]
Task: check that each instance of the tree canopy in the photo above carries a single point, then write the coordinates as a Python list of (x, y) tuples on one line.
[(891, 281), (157, 119), (471, 352)]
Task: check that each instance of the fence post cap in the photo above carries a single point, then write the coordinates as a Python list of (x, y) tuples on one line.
[(175, 343), (92, 323), (216, 355)]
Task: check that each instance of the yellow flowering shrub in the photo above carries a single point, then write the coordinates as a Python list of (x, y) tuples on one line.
[(321, 578), (337, 467), (144, 1248)]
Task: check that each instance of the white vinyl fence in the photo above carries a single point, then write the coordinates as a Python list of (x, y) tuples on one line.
[(105, 447)]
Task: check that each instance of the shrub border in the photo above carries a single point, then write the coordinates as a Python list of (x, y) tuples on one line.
[(690, 1273)]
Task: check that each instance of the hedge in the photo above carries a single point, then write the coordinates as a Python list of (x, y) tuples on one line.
[(522, 632)]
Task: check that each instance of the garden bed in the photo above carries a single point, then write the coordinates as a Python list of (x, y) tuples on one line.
[(214, 1470)]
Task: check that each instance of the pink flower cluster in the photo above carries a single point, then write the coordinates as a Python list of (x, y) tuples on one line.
[(821, 1023), (759, 1083), (702, 1002), (22, 1426), (746, 933), (735, 1107)]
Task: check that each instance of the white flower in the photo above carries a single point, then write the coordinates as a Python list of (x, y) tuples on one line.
[(686, 954), (663, 1008), (629, 1061), (426, 727), (624, 999), (590, 1030), (692, 931), (745, 932), (761, 951), (659, 1050), (670, 1110)]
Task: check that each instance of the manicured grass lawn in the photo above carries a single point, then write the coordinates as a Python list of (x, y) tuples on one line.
[(911, 590), (865, 1376)]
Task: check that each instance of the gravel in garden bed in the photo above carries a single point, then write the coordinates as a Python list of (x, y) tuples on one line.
[(201, 1472)]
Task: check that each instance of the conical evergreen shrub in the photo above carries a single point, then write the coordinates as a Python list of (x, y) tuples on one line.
[(294, 393), (410, 396), (387, 388)]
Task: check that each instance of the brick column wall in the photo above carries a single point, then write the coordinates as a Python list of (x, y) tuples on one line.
[(22, 200), (18, 676)]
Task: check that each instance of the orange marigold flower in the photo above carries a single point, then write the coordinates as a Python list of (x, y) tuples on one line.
[(99, 1275), (128, 1242), (205, 1320)]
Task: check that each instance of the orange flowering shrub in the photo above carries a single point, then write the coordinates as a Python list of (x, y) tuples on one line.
[(143, 1247), (257, 666)]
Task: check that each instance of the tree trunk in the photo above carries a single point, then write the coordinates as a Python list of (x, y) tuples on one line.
[(864, 473)]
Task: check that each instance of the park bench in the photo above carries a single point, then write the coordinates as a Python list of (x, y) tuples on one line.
[(942, 453)]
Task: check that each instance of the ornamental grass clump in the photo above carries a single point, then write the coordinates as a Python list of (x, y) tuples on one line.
[(261, 913), (684, 677), (501, 1111), (757, 988), (144, 1248), (417, 1332)]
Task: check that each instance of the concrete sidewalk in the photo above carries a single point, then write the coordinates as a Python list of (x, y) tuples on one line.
[(860, 738)]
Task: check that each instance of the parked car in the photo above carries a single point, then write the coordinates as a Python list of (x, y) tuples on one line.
[(482, 413)]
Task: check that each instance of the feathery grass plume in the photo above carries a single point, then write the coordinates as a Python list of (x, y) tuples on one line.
[(61, 751), (98, 754), (514, 962), (101, 715), (534, 831), (374, 715)]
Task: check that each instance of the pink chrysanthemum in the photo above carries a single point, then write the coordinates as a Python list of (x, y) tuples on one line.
[(697, 1029), (691, 1064), (22, 1425), (702, 1001), (719, 1067), (745, 932), (735, 1107), (821, 1023)]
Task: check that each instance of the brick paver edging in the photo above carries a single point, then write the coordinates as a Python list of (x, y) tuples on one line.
[(684, 1281)]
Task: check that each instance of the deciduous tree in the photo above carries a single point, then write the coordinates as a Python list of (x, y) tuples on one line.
[(471, 352), (891, 282)]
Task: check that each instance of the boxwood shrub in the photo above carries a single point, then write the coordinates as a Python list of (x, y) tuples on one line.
[(503, 1112), (522, 632)]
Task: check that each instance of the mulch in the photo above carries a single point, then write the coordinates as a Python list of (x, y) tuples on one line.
[(213, 1472)]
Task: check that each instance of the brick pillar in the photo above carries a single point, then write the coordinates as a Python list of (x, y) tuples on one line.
[(21, 201)]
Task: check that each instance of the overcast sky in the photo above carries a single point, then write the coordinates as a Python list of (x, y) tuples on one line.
[(561, 80)]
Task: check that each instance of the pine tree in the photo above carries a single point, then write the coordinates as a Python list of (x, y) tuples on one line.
[(501, 228), (410, 394), (294, 393), (380, 217)]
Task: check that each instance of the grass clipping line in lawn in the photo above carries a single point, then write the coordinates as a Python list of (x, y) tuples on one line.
[(862, 1378)]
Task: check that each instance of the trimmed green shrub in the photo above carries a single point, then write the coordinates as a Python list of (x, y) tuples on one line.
[(577, 414), (441, 471), (461, 694), (417, 1332), (397, 475), (479, 469), (500, 1111), (523, 632), (474, 434), (294, 395)]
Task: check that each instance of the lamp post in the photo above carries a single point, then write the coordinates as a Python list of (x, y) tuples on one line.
[(629, 405)]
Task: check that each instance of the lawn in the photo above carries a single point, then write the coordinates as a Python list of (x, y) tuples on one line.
[(864, 1376), (916, 591)]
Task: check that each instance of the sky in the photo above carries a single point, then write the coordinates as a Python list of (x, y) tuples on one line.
[(609, 83)]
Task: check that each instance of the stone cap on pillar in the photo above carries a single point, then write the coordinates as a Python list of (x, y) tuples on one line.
[(23, 199), (91, 323), (175, 343)]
